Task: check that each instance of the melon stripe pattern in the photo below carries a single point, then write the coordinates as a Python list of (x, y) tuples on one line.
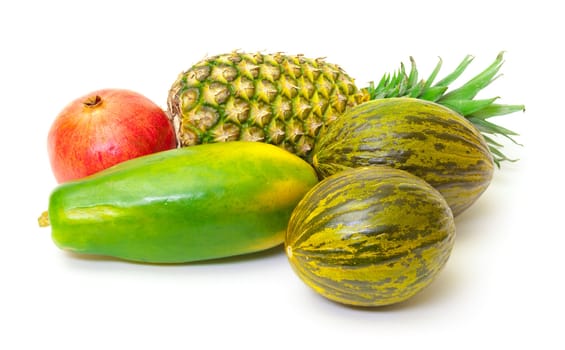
[(424, 138), (370, 236)]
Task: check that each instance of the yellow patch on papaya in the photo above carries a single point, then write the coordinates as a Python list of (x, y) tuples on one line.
[(280, 192)]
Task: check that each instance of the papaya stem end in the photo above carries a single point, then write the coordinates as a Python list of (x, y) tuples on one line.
[(43, 220)]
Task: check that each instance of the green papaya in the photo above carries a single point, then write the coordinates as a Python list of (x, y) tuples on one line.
[(195, 203)]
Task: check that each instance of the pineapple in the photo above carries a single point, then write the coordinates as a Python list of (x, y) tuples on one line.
[(274, 98), (287, 100)]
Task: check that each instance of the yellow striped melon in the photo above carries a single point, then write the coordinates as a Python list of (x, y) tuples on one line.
[(370, 236), (422, 137)]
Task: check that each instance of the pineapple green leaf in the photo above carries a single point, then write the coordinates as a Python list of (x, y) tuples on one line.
[(457, 72), (413, 77), (492, 141), (494, 110), (497, 154), (470, 89), (490, 128), (462, 100), (428, 83), (433, 93), (468, 107)]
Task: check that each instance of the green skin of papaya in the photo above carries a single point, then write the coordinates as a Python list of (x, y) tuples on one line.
[(195, 203)]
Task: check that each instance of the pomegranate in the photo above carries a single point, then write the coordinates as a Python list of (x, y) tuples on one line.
[(104, 128)]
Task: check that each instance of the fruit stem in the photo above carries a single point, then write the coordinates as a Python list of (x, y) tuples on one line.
[(43, 220), (93, 101)]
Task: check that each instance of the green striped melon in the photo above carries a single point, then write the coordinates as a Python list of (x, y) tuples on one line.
[(370, 236), (422, 137)]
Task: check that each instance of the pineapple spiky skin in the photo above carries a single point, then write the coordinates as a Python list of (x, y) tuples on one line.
[(276, 98)]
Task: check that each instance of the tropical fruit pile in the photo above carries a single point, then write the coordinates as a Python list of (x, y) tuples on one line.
[(360, 185)]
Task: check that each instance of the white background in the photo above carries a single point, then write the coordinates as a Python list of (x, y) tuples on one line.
[(501, 288)]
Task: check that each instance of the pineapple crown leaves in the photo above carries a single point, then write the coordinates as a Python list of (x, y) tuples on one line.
[(461, 100)]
